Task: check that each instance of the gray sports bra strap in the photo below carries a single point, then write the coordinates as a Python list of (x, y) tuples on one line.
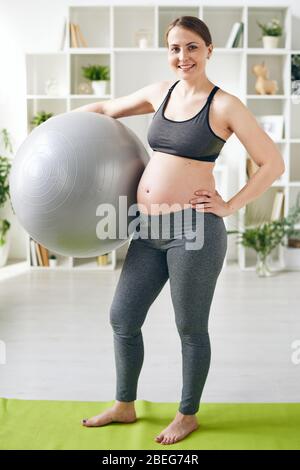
[(211, 95), (174, 84)]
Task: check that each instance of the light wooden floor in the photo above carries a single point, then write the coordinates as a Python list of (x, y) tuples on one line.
[(59, 342)]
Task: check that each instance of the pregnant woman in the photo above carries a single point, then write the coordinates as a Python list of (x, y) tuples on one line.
[(193, 119)]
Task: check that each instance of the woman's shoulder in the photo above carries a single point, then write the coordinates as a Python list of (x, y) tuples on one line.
[(225, 101), (228, 99), (160, 89)]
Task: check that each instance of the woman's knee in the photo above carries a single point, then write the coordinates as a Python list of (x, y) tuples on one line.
[(190, 329), (123, 321)]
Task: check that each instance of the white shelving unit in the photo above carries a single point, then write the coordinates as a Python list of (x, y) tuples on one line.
[(110, 32)]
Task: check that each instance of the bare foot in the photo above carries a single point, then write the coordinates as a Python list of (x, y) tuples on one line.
[(120, 413), (181, 426)]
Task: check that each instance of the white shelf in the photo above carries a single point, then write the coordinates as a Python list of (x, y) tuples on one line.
[(107, 28)]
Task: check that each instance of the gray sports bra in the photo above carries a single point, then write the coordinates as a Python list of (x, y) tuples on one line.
[(192, 138)]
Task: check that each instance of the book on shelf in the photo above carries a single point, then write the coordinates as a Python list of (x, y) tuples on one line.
[(33, 256), (235, 34), (39, 254), (277, 208), (76, 37), (64, 35), (80, 36)]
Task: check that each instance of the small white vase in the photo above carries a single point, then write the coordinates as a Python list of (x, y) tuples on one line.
[(52, 263), (270, 42), (4, 250), (262, 266), (99, 87)]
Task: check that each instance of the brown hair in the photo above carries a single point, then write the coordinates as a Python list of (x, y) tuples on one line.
[(193, 23)]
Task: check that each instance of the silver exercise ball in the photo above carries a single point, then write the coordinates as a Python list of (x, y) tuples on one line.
[(64, 170)]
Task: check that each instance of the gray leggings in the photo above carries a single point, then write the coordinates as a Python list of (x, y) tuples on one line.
[(193, 273)]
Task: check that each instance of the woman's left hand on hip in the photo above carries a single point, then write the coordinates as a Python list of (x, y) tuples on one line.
[(209, 201)]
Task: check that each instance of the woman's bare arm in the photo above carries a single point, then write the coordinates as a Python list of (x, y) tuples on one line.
[(259, 146), (138, 102)]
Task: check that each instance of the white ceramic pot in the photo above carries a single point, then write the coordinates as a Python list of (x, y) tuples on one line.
[(4, 250), (270, 42), (291, 257), (99, 87), (52, 263)]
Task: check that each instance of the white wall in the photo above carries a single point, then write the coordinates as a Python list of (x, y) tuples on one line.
[(37, 25)]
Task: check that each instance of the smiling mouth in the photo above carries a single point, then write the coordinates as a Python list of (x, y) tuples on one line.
[(186, 68)]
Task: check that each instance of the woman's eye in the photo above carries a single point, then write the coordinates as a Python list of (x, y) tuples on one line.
[(176, 48)]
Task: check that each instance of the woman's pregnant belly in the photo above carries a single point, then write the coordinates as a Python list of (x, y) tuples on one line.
[(169, 181)]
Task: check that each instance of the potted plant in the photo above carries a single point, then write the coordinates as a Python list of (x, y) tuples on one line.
[(295, 77), (99, 75), (52, 261), (40, 117), (271, 32), (266, 236), (5, 167)]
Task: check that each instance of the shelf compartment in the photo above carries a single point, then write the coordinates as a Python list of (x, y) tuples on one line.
[(42, 67), (94, 23), (294, 191), (260, 210), (128, 23), (295, 163), (295, 120), (80, 60), (220, 21), (264, 15), (268, 107), (277, 65)]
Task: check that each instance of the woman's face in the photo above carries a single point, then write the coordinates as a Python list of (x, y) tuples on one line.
[(185, 47)]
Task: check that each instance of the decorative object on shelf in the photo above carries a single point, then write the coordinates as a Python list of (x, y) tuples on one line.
[(76, 36), (143, 38), (264, 86), (102, 260), (267, 236), (40, 117), (262, 267), (84, 88), (271, 32), (295, 77), (5, 166), (51, 87), (296, 92), (52, 261), (295, 67), (272, 125), (99, 76), (294, 239), (73, 183)]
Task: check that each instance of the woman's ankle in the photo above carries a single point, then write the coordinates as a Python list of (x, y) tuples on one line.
[(124, 404)]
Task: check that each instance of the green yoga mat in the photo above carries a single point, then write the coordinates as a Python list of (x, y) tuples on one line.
[(44, 424)]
